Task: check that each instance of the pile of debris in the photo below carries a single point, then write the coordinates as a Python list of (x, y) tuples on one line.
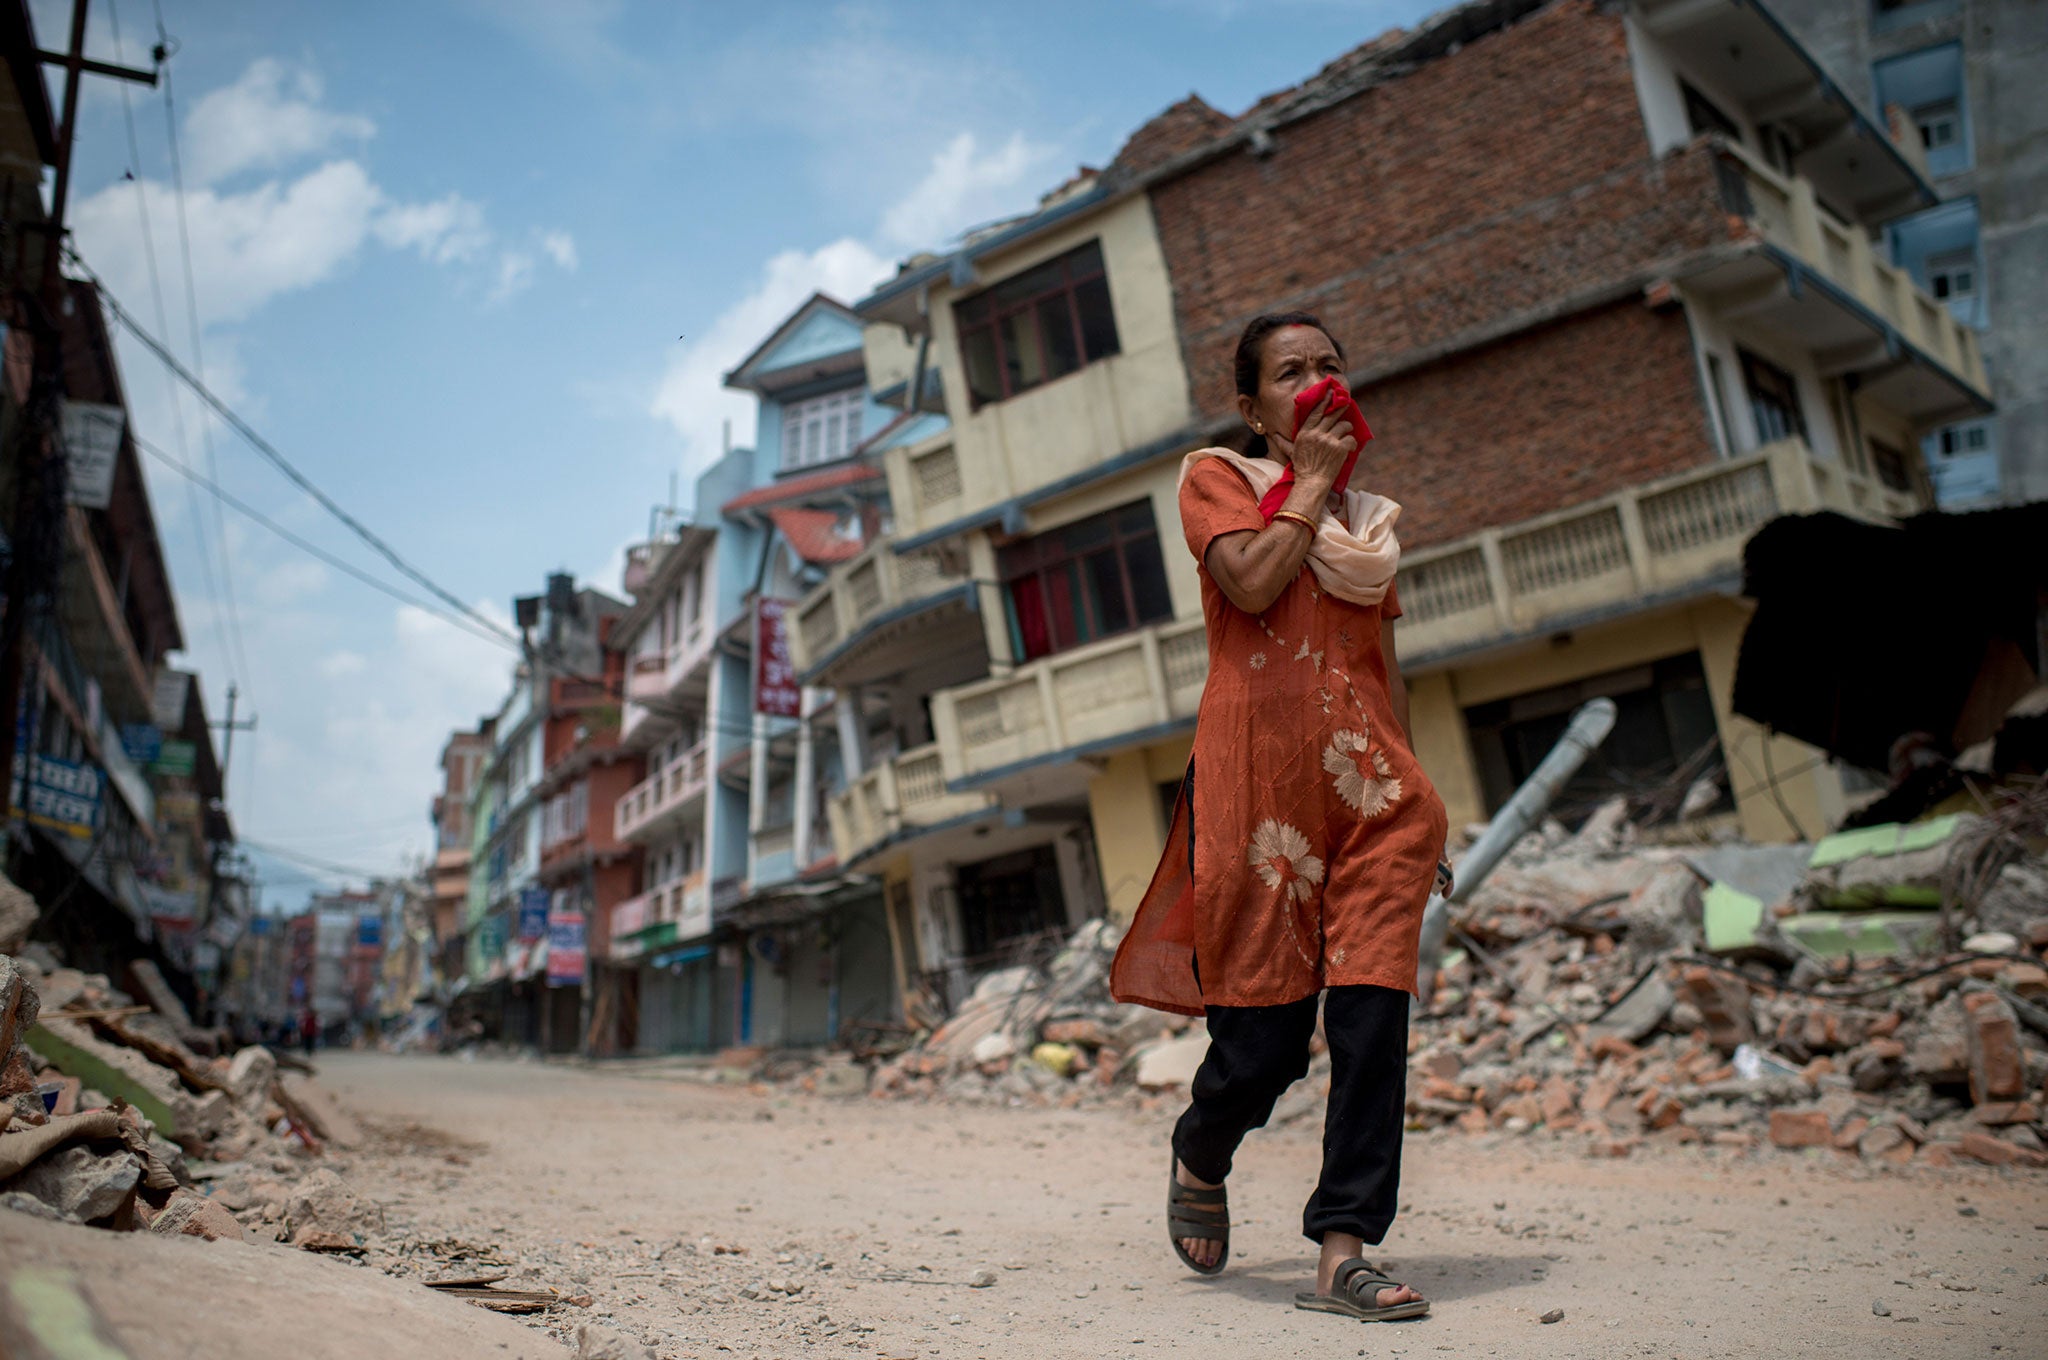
[(1881, 993), (115, 1107)]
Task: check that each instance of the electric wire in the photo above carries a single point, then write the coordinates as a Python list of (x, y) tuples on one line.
[(315, 550), (165, 48), (276, 459), (231, 653)]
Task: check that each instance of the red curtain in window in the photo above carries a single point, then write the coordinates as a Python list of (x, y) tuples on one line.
[(1027, 606)]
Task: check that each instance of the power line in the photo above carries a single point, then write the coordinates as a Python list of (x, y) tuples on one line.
[(314, 862), (164, 48), (278, 460), (315, 550), (232, 656)]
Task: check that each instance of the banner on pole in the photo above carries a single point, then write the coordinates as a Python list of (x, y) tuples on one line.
[(565, 949), (775, 689)]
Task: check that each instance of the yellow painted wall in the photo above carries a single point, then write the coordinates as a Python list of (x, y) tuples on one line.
[(1098, 412), (1806, 786), (1130, 827)]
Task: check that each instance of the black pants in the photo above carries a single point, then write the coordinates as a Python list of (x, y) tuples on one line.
[(1256, 1052)]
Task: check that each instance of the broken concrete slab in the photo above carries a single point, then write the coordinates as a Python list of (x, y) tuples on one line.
[(1172, 1062), (251, 1073), (1832, 936), (323, 1115), (189, 1215), (18, 914), (1895, 865), (1639, 1012), (1731, 920), (163, 1299), (76, 1180)]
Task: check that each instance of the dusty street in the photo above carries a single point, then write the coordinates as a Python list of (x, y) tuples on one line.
[(636, 1187)]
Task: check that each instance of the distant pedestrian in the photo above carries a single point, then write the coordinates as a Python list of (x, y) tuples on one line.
[(1306, 839), (309, 1029)]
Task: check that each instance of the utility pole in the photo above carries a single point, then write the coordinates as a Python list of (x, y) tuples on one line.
[(227, 742), (36, 537)]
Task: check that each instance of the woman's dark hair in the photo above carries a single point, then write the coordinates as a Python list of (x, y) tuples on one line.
[(1251, 352)]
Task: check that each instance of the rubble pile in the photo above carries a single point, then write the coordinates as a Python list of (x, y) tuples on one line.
[(117, 1110), (1881, 994)]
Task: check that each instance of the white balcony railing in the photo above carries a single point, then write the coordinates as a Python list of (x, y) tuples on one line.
[(654, 678), (1092, 694), (906, 793), (662, 797), (861, 590), (1650, 540), (1788, 213)]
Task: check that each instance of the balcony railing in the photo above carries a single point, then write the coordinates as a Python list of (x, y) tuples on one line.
[(897, 795), (654, 678), (1787, 212), (1650, 540), (860, 591), (1092, 694), (660, 799)]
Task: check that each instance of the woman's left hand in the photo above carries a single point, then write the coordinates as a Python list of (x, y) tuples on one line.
[(1446, 882)]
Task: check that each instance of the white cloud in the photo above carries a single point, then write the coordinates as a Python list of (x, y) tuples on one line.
[(561, 248), (268, 119), (515, 272), (447, 231), (965, 187), (340, 665), (691, 395)]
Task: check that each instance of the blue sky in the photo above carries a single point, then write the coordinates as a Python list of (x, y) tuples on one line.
[(443, 255)]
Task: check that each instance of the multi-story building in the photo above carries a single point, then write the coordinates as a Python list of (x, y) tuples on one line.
[(1961, 75), (508, 905), (448, 875), (585, 867), (744, 933), (1611, 282)]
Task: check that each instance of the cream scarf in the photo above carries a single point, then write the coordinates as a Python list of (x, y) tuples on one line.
[(1355, 563)]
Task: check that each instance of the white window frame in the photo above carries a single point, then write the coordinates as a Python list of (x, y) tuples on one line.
[(822, 429)]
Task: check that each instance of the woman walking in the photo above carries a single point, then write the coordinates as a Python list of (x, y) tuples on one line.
[(1307, 839)]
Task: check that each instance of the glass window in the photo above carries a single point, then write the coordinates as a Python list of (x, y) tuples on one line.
[(1037, 326), (1940, 248), (1092, 579), (1773, 400), (821, 429), (1703, 115)]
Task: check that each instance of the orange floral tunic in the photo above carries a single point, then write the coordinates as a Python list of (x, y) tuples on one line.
[(1316, 833)]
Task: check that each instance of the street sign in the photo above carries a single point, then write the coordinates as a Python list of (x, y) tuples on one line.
[(775, 689), (143, 742), (176, 758), (63, 796), (92, 449), (533, 915), (565, 949)]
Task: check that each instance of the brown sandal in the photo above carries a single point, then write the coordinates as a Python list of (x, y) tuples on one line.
[(1355, 1290), (1200, 1214)]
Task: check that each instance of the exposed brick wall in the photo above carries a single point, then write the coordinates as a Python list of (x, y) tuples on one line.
[(1180, 127), (1489, 182), (1565, 413)]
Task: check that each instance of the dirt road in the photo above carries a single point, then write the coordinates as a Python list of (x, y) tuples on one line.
[(634, 1188)]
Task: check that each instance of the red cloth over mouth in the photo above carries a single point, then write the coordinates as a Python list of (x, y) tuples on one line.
[(1304, 403)]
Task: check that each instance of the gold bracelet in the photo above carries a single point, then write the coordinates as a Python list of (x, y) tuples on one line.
[(1303, 520)]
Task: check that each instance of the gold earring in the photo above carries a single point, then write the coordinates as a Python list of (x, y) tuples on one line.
[(1258, 428)]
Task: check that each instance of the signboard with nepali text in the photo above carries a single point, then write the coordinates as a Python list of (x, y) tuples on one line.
[(775, 689), (565, 949), (63, 795), (92, 448), (533, 915)]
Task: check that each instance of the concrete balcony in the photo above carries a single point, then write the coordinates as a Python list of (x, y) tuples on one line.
[(1820, 281), (870, 616), (661, 801), (665, 914), (1068, 706), (896, 800), (660, 682), (1665, 540)]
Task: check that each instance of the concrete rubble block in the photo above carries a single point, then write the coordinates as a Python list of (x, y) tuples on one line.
[(1940, 1052), (251, 1073), (601, 1343), (1664, 913), (322, 1113), (1637, 1014), (840, 1079), (78, 1181), (1993, 1151), (61, 987), (1998, 1068), (992, 1050), (20, 1003), (124, 1074), (2014, 902), (1731, 921), (1171, 1062), (1801, 1129), (18, 914), (324, 1202), (156, 993), (1083, 1030), (189, 1215), (2001, 1113), (1880, 1141)]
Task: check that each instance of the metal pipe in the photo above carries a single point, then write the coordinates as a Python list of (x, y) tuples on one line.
[(1588, 728)]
